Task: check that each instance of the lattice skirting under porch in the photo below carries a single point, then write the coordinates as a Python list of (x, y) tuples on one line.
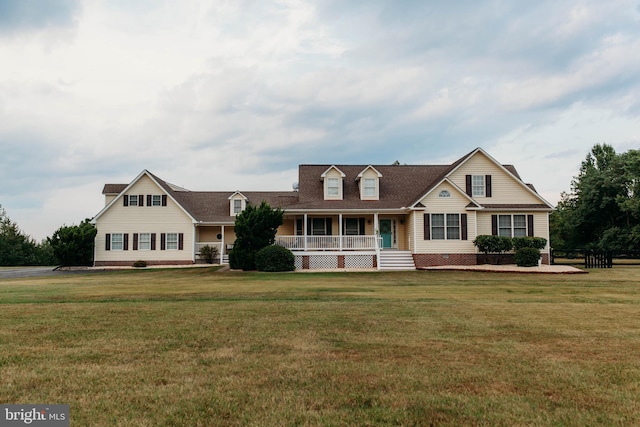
[(317, 261)]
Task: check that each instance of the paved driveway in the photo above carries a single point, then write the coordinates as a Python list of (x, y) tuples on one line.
[(20, 272)]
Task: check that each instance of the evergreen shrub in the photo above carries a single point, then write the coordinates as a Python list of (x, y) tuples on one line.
[(275, 258)]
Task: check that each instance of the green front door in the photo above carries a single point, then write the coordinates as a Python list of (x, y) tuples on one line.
[(385, 233)]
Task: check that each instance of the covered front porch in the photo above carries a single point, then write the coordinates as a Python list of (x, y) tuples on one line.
[(219, 237), (343, 232)]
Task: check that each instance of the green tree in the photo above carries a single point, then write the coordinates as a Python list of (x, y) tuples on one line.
[(73, 245), (255, 228), (16, 248), (603, 208)]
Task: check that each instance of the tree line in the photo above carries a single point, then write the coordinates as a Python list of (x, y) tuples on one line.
[(602, 210), (69, 245)]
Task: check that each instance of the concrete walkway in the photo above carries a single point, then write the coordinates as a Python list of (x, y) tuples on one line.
[(512, 268)]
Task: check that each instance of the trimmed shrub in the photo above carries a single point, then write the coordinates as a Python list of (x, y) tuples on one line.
[(527, 257), (529, 242), (140, 263), (275, 258), (495, 245)]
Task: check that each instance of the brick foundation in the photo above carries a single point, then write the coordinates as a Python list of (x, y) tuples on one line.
[(340, 261), (432, 260), (130, 263)]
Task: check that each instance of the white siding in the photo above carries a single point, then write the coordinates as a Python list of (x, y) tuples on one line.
[(145, 219), (455, 204), (505, 188)]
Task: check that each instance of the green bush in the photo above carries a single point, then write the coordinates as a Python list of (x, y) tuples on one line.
[(527, 257), (529, 242), (242, 258), (493, 244), (275, 258), (140, 263), (208, 253)]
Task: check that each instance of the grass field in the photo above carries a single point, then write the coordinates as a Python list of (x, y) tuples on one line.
[(197, 347)]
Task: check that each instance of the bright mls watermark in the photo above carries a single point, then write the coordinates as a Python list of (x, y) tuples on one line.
[(34, 415)]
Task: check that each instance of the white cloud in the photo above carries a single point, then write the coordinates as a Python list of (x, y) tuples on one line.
[(234, 94)]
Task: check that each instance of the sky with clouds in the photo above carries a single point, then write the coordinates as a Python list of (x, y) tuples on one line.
[(234, 94)]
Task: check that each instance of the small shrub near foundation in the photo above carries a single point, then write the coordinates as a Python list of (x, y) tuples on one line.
[(140, 263), (275, 258)]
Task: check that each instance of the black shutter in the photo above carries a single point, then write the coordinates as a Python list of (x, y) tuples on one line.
[(135, 241), (309, 229), (487, 184), (140, 200), (463, 226), (427, 227), (125, 242), (164, 200), (361, 226), (299, 225), (180, 241), (530, 225), (107, 242), (329, 223), (149, 200), (468, 185), (125, 200), (163, 241), (153, 241), (494, 225)]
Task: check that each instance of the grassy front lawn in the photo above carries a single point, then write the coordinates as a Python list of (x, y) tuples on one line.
[(199, 348)]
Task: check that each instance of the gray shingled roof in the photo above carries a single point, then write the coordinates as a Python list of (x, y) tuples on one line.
[(400, 186)]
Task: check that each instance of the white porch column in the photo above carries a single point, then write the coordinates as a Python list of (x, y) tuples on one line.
[(304, 227), (340, 229), (376, 225), (222, 245)]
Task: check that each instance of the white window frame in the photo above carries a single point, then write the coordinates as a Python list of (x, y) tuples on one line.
[(133, 200), (370, 187), (511, 228), (317, 220), (333, 187), (448, 229), (171, 242), (237, 206), (444, 193), (117, 242), (144, 243), (156, 200), (352, 226), (477, 185)]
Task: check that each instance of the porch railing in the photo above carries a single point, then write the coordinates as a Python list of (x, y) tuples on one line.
[(329, 243), (217, 245)]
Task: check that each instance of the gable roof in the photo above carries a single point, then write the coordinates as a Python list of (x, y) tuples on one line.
[(203, 206), (402, 187)]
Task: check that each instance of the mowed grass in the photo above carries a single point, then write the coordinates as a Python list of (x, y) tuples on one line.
[(197, 347)]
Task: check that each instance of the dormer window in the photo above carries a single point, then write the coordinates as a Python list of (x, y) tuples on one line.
[(369, 183), (332, 178), (369, 187), (237, 203), (237, 206), (333, 187)]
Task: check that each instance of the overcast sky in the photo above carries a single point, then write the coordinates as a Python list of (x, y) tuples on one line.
[(227, 95)]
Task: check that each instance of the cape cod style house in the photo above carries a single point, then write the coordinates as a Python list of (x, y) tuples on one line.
[(340, 216)]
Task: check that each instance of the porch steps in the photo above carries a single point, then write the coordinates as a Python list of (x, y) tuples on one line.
[(396, 260)]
